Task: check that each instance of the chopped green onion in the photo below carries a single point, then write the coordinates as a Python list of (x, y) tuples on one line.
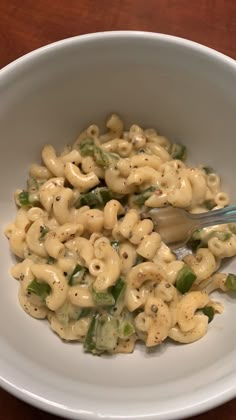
[(126, 325), (101, 158), (178, 151), (230, 282), (105, 195), (24, 198), (96, 198), (87, 147), (28, 198), (69, 312), (196, 236), (209, 311), (118, 293), (84, 312), (118, 289), (90, 338), (208, 170), (89, 199), (102, 334), (77, 275), (140, 198), (107, 333), (126, 329), (115, 244), (102, 298), (195, 241), (38, 288), (185, 279)]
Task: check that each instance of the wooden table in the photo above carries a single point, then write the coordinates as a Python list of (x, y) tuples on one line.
[(29, 24)]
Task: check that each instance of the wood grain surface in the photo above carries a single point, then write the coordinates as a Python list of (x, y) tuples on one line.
[(28, 24)]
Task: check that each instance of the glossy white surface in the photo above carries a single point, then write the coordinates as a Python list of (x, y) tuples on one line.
[(188, 92)]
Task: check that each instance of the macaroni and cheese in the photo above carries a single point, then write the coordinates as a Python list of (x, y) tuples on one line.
[(93, 266)]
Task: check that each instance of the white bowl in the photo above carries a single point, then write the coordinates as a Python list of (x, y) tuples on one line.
[(188, 92)]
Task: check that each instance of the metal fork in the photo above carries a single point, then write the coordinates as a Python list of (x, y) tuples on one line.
[(176, 226)]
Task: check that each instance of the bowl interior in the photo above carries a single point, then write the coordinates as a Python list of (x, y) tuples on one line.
[(185, 91)]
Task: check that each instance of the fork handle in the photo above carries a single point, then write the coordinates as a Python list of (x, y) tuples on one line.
[(216, 217)]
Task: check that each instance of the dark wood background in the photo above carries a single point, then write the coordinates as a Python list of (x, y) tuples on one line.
[(28, 24)]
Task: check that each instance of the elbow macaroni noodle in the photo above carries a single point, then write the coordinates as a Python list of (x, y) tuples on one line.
[(79, 232)]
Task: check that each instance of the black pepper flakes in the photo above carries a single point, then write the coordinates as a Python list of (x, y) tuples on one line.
[(154, 308)]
